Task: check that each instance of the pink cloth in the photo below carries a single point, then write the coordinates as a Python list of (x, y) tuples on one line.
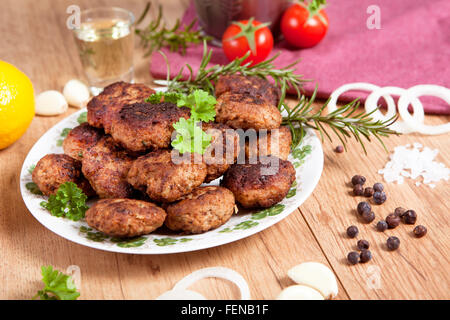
[(412, 47)]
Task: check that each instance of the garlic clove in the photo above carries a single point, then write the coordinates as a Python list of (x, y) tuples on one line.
[(317, 276), (76, 93), (298, 292), (181, 294), (50, 103)]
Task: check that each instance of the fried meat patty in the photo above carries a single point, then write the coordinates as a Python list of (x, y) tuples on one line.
[(164, 180), (252, 85), (102, 108), (79, 139), (247, 112), (145, 126), (125, 217), (222, 152), (253, 187), (106, 166), (55, 169), (263, 145), (204, 209)]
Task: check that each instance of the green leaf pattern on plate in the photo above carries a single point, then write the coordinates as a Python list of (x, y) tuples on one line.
[(300, 154), (123, 243), (247, 224), (170, 241)]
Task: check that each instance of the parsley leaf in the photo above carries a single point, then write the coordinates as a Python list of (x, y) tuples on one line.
[(69, 202), (201, 104), (158, 97), (191, 138), (58, 284)]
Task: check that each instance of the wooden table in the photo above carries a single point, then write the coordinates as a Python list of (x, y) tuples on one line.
[(35, 39)]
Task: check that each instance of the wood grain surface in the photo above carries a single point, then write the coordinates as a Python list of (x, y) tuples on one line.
[(36, 40)]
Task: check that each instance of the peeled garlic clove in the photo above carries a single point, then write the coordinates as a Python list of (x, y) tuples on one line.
[(317, 276), (181, 294), (50, 103), (76, 93), (298, 292)]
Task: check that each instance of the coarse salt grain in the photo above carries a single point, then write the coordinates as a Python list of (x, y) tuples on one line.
[(412, 162)]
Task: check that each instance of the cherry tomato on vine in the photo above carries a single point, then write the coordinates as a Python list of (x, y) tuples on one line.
[(305, 25), (247, 35)]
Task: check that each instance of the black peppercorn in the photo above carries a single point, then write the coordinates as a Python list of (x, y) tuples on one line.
[(392, 221), (352, 231), (363, 245), (353, 257), (339, 149), (358, 190), (378, 187), (379, 197), (409, 217), (420, 231), (368, 192), (365, 256), (393, 243), (382, 225), (363, 207), (368, 216), (399, 211), (357, 179)]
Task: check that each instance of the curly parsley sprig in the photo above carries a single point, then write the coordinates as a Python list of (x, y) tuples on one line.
[(58, 286), (191, 138), (68, 202)]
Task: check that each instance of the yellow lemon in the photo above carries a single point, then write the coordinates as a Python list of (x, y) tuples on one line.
[(16, 104)]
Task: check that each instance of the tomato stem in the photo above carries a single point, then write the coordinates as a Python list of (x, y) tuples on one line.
[(248, 31), (314, 7)]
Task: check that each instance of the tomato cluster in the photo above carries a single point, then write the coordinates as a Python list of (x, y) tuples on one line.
[(303, 26)]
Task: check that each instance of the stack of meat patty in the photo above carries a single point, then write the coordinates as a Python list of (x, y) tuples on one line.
[(123, 156)]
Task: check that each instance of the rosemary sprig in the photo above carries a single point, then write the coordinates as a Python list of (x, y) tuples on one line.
[(156, 35), (206, 76), (345, 122)]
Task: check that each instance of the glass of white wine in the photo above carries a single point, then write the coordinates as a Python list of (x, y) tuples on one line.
[(105, 43)]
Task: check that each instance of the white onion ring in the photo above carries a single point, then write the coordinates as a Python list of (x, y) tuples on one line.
[(181, 294), (423, 90), (363, 86), (399, 126), (180, 289)]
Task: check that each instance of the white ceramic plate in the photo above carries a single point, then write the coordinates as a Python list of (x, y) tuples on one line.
[(241, 225)]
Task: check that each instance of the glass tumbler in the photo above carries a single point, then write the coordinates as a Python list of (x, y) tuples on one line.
[(105, 42)]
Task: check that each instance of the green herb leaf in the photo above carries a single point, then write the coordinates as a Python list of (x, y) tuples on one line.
[(201, 104), (69, 202), (58, 286), (191, 138)]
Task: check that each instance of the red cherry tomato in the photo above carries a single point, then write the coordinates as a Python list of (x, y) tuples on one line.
[(304, 26), (247, 35)]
